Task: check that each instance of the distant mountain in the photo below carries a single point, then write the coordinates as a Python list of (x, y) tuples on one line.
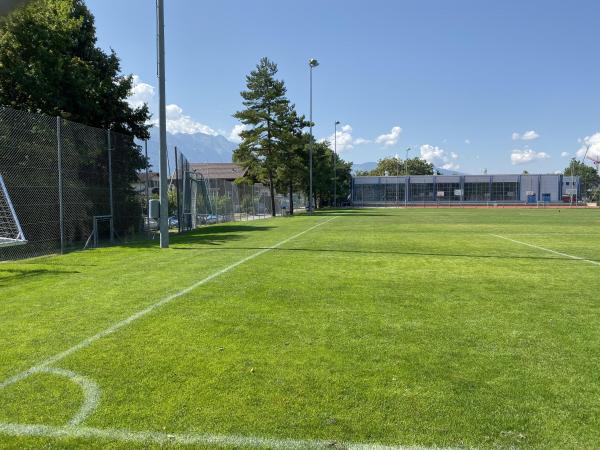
[(373, 165), (448, 172), (363, 166), (197, 148)]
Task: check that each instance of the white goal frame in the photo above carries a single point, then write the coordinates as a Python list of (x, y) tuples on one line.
[(19, 239)]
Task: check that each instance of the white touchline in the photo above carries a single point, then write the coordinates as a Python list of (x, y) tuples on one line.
[(176, 439), (117, 326), (579, 258)]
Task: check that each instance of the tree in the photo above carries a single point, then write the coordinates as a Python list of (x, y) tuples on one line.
[(588, 176), (323, 160), (395, 166), (265, 104), (49, 64), (292, 152)]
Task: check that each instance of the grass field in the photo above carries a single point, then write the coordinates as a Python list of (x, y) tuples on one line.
[(434, 328)]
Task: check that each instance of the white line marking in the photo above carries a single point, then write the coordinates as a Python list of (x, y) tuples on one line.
[(167, 439), (123, 323), (91, 392), (579, 258)]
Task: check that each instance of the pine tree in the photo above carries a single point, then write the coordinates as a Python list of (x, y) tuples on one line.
[(292, 153), (265, 104)]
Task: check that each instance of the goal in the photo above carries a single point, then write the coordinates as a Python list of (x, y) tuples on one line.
[(10, 228)]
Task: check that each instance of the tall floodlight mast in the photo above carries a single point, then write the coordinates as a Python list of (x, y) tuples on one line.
[(337, 122), (312, 63), (162, 124)]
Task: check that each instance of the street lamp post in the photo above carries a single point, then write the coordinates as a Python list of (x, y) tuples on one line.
[(312, 63), (337, 122)]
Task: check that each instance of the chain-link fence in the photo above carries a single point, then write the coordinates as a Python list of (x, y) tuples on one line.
[(73, 186), (70, 184), (203, 200)]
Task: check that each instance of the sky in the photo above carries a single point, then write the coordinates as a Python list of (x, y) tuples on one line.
[(469, 85)]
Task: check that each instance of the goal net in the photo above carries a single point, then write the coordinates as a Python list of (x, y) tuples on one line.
[(10, 228)]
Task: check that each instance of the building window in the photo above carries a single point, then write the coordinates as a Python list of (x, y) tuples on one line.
[(505, 191), (477, 192), (448, 189), (421, 192)]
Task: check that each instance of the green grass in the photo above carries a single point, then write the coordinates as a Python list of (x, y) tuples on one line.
[(398, 327)]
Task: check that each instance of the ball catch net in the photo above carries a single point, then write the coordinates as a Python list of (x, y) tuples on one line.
[(10, 228)]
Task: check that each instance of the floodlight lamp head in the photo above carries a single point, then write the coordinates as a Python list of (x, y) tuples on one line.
[(337, 122), (313, 62)]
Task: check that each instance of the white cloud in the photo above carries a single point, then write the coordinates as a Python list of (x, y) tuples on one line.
[(178, 122), (234, 134), (527, 136), (390, 138), (526, 155), (565, 154), (344, 140), (140, 93), (593, 142), (439, 157)]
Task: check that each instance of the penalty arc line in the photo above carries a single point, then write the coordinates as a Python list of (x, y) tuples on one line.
[(578, 258), (123, 323)]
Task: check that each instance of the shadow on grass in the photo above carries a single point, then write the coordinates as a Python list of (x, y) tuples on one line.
[(426, 254), (209, 235), (23, 274), (353, 212)]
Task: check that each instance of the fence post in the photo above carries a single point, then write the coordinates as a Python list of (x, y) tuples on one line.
[(147, 190), (177, 181), (60, 187), (110, 187)]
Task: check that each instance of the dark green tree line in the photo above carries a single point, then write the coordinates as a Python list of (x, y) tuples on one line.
[(395, 166)]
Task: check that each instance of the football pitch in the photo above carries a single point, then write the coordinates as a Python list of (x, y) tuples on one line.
[(372, 328)]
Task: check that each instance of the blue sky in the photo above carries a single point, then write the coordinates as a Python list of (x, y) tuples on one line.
[(468, 84)]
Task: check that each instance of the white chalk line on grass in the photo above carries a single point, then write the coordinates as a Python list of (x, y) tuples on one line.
[(579, 258), (123, 323), (166, 439), (91, 392)]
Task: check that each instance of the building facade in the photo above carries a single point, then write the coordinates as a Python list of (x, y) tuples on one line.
[(415, 189)]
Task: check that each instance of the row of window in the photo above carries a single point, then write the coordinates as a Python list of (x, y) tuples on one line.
[(426, 192)]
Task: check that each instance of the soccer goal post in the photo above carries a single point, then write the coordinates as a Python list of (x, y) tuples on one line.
[(10, 228)]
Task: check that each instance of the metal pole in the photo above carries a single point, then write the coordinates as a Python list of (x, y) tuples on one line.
[(310, 153), (311, 63), (147, 190), (334, 164), (177, 189), (407, 184), (397, 181), (162, 122), (110, 187), (60, 188)]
